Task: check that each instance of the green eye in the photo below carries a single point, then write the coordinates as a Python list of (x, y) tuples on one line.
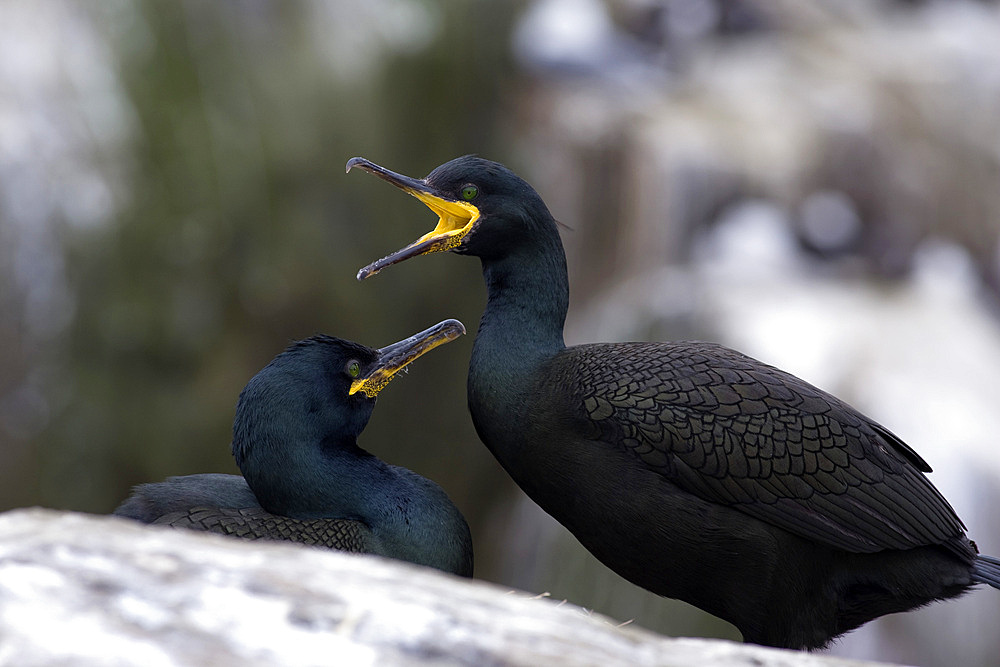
[(354, 369), (469, 192)]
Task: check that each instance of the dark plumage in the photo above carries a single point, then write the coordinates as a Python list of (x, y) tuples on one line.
[(304, 477), (688, 468)]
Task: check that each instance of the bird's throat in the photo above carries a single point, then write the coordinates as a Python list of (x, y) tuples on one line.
[(521, 328), (527, 301)]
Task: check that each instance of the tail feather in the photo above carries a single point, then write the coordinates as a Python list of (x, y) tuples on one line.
[(986, 570)]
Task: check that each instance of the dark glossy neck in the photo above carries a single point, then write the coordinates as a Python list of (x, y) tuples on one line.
[(521, 328), (329, 480), (527, 300), (409, 516)]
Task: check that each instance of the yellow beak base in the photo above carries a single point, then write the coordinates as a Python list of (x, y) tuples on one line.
[(455, 218), (396, 357)]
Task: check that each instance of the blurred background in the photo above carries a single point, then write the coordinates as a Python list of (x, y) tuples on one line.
[(815, 184)]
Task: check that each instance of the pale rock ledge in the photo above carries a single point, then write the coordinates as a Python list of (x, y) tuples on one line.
[(77, 589)]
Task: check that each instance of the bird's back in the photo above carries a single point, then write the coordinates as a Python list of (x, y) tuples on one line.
[(224, 504), (150, 502), (737, 432)]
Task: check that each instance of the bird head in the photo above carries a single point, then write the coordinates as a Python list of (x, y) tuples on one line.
[(319, 391), (484, 209)]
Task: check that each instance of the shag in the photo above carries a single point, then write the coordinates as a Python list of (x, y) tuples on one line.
[(305, 479), (688, 468)]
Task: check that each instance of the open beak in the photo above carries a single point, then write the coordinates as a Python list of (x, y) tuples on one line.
[(394, 358), (455, 218)]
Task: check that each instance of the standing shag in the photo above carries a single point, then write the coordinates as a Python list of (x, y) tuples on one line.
[(688, 468), (304, 477)]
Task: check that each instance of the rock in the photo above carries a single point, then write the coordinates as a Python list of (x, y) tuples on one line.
[(91, 590)]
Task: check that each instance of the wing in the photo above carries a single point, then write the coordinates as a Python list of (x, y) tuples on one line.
[(255, 523), (738, 432)]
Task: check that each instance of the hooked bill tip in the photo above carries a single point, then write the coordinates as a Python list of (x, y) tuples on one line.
[(353, 162), (456, 326)]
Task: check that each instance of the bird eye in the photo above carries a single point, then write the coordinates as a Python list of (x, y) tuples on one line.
[(469, 192), (353, 369)]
